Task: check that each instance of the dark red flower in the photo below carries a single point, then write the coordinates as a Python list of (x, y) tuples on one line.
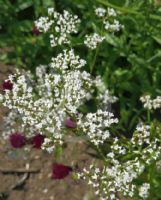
[(35, 31), (60, 171), (7, 85), (69, 123), (17, 140), (37, 141)]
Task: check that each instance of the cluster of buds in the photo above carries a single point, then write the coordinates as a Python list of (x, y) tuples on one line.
[(19, 140)]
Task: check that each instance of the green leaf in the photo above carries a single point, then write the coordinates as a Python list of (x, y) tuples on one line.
[(157, 39), (22, 5)]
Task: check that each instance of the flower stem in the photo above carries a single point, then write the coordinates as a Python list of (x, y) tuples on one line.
[(94, 60), (96, 53), (148, 116)]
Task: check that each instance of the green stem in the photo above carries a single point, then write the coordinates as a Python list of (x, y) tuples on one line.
[(151, 173), (96, 53), (94, 60), (148, 116), (101, 154), (99, 151)]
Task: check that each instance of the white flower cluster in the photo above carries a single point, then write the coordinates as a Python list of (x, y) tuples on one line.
[(152, 152), (95, 125), (113, 180), (43, 24), (59, 25), (143, 144), (141, 135), (114, 27), (111, 12), (109, 19), (105, 99), (117, 148), (144, 190), (149, 103), (100, 12), (125, 163), (104, 96), (9, 122), (147, 145), (92, 41), (67, 61), (157, 102), (100, 85), (13, 123), (46, 101), (48, 145)]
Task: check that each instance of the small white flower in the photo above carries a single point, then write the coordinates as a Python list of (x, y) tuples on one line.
[(50, 11), (100, 12), (92, 41), (111, 12), (144, 190), (147, 101)]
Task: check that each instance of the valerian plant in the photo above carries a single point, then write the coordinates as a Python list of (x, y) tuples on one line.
[(49, 102), (132, 53)]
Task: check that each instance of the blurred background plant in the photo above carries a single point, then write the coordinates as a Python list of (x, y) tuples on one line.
[(21, 45)]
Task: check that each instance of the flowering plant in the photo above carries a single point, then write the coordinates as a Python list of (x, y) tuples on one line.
[(50, 102)]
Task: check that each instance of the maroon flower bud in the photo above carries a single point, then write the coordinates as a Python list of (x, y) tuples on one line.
[(37, 141), (7, 85), (69, 123), (60, 171), (17, 140), (35, 31)]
